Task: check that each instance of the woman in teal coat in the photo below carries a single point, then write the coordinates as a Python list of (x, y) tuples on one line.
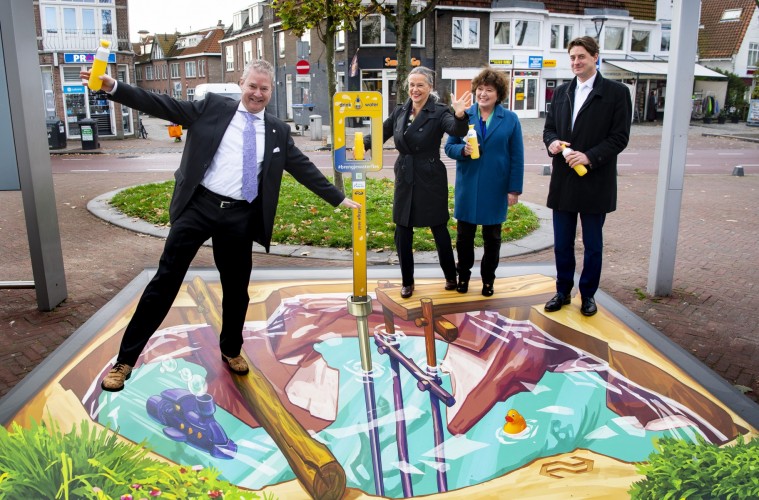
[(487, 186)]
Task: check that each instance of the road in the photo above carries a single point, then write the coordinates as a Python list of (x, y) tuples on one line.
[(634, 160)]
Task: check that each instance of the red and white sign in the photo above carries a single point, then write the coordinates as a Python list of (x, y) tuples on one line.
[(302, 67)]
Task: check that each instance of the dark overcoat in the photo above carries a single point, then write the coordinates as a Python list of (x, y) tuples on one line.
[(601, 131), (206, 122), (483, 185), (421, 180)]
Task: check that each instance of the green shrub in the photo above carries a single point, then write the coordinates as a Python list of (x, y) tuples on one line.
[(680, 469), (93, 463)]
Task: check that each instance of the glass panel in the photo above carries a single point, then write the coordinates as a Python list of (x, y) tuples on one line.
[(567, 36), (502, 35), (665, 40), (519, 89), (614, 38), (69, 21), (555, 28), (51, 20), (527, 33), (474, 32), (458, 32), (370, 30), (639, 41), (390, 32), (88, 21), (107, 17), (532, 90)]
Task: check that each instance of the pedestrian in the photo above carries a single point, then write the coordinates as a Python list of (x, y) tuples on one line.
[(421, 180), (488, 185), (651, 107), (227, 189), (593, 115)]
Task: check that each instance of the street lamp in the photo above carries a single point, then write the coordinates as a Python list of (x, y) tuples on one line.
[(599, 23)]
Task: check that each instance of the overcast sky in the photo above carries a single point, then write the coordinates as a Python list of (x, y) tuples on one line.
[(168, 16)]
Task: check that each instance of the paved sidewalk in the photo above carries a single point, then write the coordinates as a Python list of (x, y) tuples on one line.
[(713, 312)]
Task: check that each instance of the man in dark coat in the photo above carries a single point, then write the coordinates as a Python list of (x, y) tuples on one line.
[(593, 116), (214, 197)]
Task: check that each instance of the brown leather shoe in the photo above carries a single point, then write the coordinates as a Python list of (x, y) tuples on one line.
[(114, 381), (406, 291), (237, 364)]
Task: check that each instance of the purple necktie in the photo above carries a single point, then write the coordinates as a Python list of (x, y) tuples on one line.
[(249, 160)]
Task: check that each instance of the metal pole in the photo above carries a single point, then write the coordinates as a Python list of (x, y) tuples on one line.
[(437, 430)]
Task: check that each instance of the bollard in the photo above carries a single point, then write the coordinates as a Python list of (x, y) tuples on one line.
[(316, 127), (546, 169), (738, 171)]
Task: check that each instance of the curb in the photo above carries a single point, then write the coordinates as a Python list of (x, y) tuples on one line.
[(538, 240)]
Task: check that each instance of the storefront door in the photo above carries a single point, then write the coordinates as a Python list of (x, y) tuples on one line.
[(524, 95)]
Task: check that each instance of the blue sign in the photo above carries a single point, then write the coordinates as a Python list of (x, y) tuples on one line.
[(73, 89), (535, 62), (86, 58)]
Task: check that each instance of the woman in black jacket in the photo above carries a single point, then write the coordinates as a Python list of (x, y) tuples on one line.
[(421, 180)]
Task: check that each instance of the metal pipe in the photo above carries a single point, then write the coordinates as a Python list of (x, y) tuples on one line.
[(437, 430), (400, 426)]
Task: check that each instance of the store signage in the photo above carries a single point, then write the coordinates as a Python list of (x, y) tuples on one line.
[(73, 89), (549, 63), (501, 62), (85, 58), (392, 63), (535, 62)]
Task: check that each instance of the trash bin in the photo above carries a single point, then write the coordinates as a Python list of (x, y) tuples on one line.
[(88, 131), (315, 121), (301, 113), (56, 134)]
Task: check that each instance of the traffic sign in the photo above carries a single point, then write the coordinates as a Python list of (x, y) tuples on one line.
[(302, 67)]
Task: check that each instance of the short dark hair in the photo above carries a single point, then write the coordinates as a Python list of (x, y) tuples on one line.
[(496, 79), (587, 42)]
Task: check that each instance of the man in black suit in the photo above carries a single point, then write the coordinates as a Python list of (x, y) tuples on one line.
[(593, 115), (209, 201)]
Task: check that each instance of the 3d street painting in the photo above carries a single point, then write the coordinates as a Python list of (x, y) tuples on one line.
[(469, 395)]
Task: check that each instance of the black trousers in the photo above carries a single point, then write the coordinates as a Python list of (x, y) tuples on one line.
[(404, 245), (230, 229), (564, 233), (491, 236)]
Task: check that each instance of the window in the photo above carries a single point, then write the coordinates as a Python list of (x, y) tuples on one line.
[(639, 41), (340, 40), (260, 48), (138, 73), (281, 39), (753, 54), (666, 32), (202, 67), (175, 70), (229, 57), (614, 38), (247, 51), (502, 33), (527, 33), (189, 69), (88, 21), (191, 94), (69, 21), (51, 20), (561, 35), (148, 72), (731, 15), (376, 29), (466, 33), (107, 18)]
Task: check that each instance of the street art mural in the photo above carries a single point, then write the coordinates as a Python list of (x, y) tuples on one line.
[(473, 395)]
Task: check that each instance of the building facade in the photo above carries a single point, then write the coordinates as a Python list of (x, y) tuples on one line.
[(68, 32)]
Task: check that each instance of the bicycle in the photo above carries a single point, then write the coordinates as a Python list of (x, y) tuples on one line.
[(142, 132)]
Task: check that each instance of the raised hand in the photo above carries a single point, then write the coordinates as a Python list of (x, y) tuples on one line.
[(462, 104)]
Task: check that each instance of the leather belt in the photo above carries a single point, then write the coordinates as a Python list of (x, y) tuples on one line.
[(222, 201)]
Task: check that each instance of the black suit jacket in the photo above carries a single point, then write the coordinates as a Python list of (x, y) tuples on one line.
[(206, 121), (601, 131)]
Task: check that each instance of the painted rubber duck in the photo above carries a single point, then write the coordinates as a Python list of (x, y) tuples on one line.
[(515, 422)]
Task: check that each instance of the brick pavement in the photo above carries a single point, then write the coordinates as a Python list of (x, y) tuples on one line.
[(712, 313)]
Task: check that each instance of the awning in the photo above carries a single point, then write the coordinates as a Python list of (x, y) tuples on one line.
[(648, 70)]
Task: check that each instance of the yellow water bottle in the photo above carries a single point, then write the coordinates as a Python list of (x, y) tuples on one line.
[(358, 146), (580, 169), (471, 138), (99, 65)]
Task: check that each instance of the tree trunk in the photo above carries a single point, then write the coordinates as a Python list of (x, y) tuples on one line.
[(332, 88), (403, 27)]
